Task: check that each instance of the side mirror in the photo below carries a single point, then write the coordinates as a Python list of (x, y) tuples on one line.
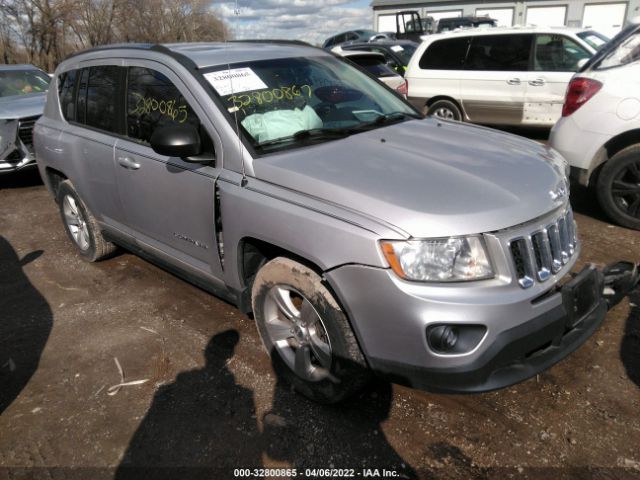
[(176, 141)]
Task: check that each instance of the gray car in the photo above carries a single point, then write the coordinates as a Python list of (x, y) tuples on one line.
[(363, 237), (23, 91)]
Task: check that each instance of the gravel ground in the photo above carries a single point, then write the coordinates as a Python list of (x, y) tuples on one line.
[(211, 404)]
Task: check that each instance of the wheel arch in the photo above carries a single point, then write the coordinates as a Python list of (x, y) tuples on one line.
[(252, 254), (53, 179), (612, 147), (457, 103)]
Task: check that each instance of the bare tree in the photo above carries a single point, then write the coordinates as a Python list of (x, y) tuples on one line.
[(44, 32)]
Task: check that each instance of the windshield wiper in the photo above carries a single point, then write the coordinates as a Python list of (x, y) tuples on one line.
[(386, 119), (314, 133), (392, 117)]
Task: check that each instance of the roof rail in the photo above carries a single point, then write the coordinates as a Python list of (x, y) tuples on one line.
[(132, 46), (274, 41)]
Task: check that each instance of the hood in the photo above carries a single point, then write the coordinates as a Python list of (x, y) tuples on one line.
[(20, 106), (430, 178)]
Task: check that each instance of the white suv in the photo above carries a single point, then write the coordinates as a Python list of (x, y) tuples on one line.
[(599, 132), (498, 76)]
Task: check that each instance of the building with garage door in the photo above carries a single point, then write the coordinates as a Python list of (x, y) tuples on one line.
[(606, 16)]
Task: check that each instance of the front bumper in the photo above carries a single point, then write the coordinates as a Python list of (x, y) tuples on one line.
[(524, 336), (16, 161), (16, 150)]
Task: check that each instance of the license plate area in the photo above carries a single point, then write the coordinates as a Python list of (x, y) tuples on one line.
[(582, 295)]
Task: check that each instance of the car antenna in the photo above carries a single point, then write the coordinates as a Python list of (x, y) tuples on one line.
[(243, 182)]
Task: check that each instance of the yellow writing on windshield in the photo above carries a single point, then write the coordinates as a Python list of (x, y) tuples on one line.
[(269, 96), (167, 108)]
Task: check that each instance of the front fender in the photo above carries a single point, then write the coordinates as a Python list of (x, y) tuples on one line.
[(319, 232)]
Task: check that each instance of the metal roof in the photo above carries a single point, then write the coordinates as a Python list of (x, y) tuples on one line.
[(208, 54)]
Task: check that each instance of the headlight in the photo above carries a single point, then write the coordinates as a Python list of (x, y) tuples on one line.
[(452, 259)]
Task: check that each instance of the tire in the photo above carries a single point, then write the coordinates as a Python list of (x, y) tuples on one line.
[(618, 187), (81, 226), (445, 109), (306, 332)]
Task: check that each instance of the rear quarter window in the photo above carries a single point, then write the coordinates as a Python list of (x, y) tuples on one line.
[(446, 54), (66, 94)]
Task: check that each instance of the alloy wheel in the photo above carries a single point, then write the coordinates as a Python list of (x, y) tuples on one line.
[(625, 189), (76, 222), (444, 112), (296, 331)]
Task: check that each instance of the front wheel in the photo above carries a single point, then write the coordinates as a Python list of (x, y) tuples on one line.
[(444, 109), (306, 332), (618, 187)]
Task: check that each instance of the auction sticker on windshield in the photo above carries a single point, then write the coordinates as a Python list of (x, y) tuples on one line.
[(236, 80)]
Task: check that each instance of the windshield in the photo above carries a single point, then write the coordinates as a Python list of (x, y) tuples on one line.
[(374, 64), (627, 52), (404, 51), (276, 101), (595, 39), (23, 82)]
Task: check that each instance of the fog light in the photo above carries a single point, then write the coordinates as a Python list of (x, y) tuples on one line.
[(454, 338), (442, 338)]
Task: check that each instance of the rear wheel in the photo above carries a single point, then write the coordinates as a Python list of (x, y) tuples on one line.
[(444, 109), (306, 332), (81, 226), (618, 187)]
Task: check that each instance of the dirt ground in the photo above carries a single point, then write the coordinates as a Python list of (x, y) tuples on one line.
[(211, 403)]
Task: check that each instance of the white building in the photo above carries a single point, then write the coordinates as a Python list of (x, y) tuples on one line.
[(606, 16)]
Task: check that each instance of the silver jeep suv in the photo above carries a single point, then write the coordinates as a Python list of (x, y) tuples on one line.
[(363, 237)]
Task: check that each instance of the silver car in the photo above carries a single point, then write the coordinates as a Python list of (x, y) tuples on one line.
[(363, 237), (23, 91)]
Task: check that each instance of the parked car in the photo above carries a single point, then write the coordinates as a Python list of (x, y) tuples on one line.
[(594, 38), (355, 36), (498, 76), (376, 65), (22, 96), (451, 23), (363, 236), (599, 132), (397, 53)]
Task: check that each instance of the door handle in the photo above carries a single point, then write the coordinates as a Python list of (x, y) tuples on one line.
[(513, 81), (128, 163), (538, 82)]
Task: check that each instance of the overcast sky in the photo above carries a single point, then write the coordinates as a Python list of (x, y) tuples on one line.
[(309, 20)]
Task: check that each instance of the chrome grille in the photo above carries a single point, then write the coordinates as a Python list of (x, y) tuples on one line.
[(543, 252), (25, 130)]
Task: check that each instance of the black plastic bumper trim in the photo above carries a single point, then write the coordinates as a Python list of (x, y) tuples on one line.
[(515, 355)]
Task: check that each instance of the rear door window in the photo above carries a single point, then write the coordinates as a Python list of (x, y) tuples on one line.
[(557, 53), (446, 54), (154, 101), (102, 98), (509, 53)]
